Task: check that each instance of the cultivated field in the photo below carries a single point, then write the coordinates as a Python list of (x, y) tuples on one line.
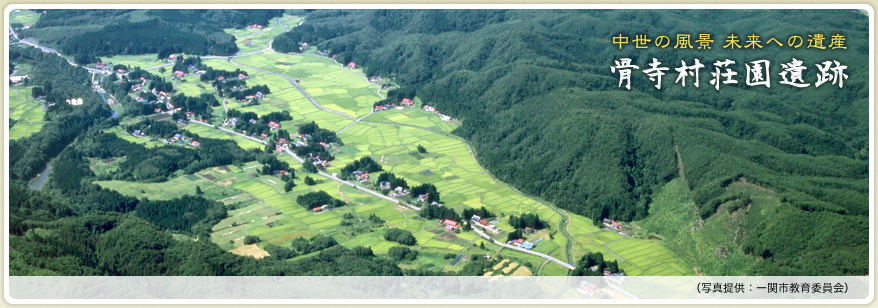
[(391, 137), (27, 111), (24, 17), (323, 79)]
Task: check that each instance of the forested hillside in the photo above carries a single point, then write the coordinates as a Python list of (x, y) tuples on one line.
[(545, 113), (95, 33)]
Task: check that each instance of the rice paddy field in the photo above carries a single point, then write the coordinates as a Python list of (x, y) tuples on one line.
[(648, 258), (283, 96), (26, 111), (257, 39), (414, 117), (25, 17), (389, 137), (331, 86)]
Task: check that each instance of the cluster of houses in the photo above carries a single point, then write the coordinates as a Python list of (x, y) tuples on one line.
[(612, 224), (361, 176), (450, 224), (74, 101), (484, 224), (324, 53), (397, 192), (524, 244), (282, 144), (432, 109), (180, 139), (318, 162), (405, 102)]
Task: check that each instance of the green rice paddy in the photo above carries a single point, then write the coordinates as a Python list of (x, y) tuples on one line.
[(389, 137), (26, 111)]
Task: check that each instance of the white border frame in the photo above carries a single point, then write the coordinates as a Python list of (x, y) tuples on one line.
[(872, 160)]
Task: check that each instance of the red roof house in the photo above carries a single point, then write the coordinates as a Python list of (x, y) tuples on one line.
[(407, 102), (352, 65), (451, 223), (179, 73), (196, 143)]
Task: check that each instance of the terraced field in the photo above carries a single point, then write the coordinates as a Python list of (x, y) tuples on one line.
[(329, 85), (283, 97), (24, 17), (391, 137), (27, 111), (648, 258)]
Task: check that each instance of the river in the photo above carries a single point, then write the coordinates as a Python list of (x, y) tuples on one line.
[(37, 183)]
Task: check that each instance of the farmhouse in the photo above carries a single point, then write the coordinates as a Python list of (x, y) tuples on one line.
[(422, 198), (407, 102), (172, 57), (196, 143), (242, 76), (436, 203), (273, 125), (451, 223), (141, 100), (179, 73), (221, 78), (321, 208), (352, 65), (252, 121), (259, 95), (476, 218), (17, 79), (429, 108), (384, 185)]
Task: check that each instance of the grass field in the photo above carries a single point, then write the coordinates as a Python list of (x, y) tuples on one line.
[(27, 111), (283, 97), (25, 17), (414, 117), (329, 85)]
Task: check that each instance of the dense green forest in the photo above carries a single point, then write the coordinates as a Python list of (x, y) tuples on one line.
[(545, 113), (101, 33), (58, 81)]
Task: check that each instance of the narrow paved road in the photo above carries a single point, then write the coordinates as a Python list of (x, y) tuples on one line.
[(545, 256), (355, 122), (308, 96), (299, 159), (293, 82), (618, 256)]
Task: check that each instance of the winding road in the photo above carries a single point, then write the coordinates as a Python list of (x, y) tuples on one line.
[(618, 256)]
